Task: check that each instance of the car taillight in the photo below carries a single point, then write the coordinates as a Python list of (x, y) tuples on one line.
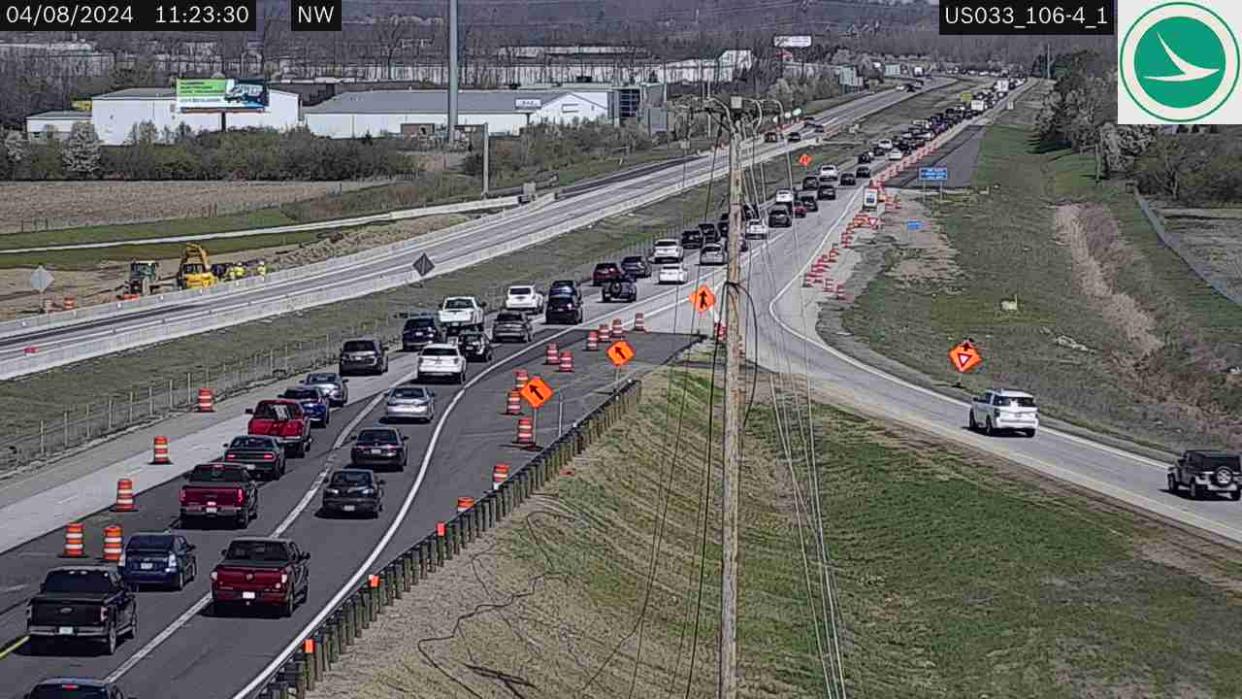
[(103, 613), (181, 497), (214, 575), (284, 578), (241, 495), (230, 457), (269, 457)]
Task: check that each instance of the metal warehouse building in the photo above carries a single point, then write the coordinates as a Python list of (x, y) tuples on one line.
[(421, 112)]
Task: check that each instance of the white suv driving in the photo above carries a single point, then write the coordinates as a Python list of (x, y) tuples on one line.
[(441, 360), (1004, 409), (829, 171), (524, 298), (784, 196), (666, 250)]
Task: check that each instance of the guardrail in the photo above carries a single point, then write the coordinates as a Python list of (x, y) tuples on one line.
[(302, 670)]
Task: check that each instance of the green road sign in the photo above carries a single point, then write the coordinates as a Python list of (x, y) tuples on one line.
[(1179, 62)]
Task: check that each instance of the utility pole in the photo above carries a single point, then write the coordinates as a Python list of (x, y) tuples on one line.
[(486, 164), (452, 71), (732, 412)]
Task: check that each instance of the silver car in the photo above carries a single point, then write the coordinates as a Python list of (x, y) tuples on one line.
[(712, 255), (410, 403), (330, 385)]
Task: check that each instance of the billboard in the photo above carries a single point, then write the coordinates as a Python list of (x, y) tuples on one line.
[(221, 94), (799, 41), (527, 103)]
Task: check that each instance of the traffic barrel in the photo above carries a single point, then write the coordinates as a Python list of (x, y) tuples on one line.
[(112, 543), (513, 403), (551, 355), (640, 323), (124, 496), (500, 474), (592, 341), (840, 295), (566, 365), (520, 377), (722, 332), (69, 304), (464, 503), (206, 401), (159, 451), (75, 544), (618, 330), (604, 334), (525, 432)]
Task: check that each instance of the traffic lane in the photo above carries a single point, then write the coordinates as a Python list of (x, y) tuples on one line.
[(960, 155)]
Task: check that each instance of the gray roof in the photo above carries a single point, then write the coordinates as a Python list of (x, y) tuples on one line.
[(76, 116), (431, 101), (136, 93)]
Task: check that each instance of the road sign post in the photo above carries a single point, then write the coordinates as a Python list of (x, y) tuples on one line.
[(536, 392)]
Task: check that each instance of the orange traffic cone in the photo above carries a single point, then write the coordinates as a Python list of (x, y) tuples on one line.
[(206, 401), (464, 504), (124, 496), (75, 545), (112, 543), (500, 474), (567, 362), (513, 403), (160, 454)]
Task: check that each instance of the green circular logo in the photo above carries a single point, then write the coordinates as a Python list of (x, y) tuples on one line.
[(1179, 62)]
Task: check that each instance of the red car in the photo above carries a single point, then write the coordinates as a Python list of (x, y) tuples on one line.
[(283, 419), (219, 491), (606, 272), (799, 210), (261, 572)]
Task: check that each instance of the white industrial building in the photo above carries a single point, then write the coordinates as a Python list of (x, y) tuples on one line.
[(54, 125), (421, 112)]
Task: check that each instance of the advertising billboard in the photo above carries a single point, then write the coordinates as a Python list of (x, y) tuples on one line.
[(800, 41), (527, 103), (221, 95)]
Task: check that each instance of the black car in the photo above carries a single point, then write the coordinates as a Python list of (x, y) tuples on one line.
[(263, 456), (475, 346), (421, 330), (810, 182), (562, 309), (621, 290), (711, 234), (691, 239), (794, 137), (605, 272), (82, 602), (826, 191), (511, 326), (562, 287), (863, 172), (379, 447), (847, 180), (809, 200), (159, 558), (865, 157), (75, 688), (1206, 472), (365, 355), (353, 490), (635, 266), (779, 218), (771, 137), (723, 228)]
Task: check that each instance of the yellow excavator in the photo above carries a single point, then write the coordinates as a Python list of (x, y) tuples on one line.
[(194, 272)]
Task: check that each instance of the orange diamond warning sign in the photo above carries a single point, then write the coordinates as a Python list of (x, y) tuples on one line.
[(702, 299), (620, 353), (536, 392), (805, 160), (965, 357)]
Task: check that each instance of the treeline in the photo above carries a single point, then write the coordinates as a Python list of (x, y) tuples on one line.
[(552, 146), (249, 154)]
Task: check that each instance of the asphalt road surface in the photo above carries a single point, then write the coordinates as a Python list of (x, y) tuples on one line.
[(960, 156)]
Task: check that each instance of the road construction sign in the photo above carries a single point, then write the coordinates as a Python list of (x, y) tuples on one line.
[(536, 392), (805, 160), (965, 357), (702, 299), (620, 353)]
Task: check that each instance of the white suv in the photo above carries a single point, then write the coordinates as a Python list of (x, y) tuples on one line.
[(829, 171), (524, 298), (885, 144), (784, 196), (1004, 409), (666, 250), (441, 360)]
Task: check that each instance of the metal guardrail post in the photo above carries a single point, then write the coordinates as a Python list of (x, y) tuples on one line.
[(356, 609), (332, 639), (454, 533), (440, 549)]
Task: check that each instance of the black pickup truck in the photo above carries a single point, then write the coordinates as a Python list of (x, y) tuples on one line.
[(82, 602)]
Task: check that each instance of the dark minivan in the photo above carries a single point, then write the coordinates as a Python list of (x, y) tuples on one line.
[(420, 331)]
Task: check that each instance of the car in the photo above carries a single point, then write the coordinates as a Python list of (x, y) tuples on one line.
[(335, 387), (784, 196), (511, 327), (605, 272), (691, 239), (523, 297), (442, 361), (261, 455), (379, 447), (475, 346), (808, 120), (723, 227), (1004, 409), (826, 191), (744, 245), (666, 250), (284, 420), (420, 330), (794, 137), (778, 218), (756, 229), (313, 404), (771, 137), (624, 290), (895, 154), (799, 210), (711, 234), (75, 688), (158, 558), (563, 309), (818, 128), (82, 602), (635, 266), (828, 171), (863, 172), (672, 274), (865, 157), (258, 571), (458, 313), (809, 201), (847, 180), (1207, 472), (810, 182), (885, 144), (750, 212), (409, 402), (219, 491), (364, 355), (713, 255), (353, 490)]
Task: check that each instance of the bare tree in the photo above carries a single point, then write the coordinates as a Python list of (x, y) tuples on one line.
[(391, 35)]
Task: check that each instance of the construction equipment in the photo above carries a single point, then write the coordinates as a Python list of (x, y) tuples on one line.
[(143, 277), (194, 272)]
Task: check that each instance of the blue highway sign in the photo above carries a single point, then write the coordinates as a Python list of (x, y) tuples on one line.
[(914, 225), (934, 174)]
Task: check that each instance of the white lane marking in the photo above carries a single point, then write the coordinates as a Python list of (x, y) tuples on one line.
[(65, 500)]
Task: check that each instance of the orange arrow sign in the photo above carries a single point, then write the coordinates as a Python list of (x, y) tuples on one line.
[(536, 392), (805, 160), (702, 299), (965, 357), (620, 353)]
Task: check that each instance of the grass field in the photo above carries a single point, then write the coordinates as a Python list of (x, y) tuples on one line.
[(1114, 331), (957, 576)]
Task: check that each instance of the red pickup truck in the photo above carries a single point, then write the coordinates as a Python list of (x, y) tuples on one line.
[(219, 491), (261, 572), (283, 419)]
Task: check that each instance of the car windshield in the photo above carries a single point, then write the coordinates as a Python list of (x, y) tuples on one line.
[(509, 317), (711, 248), (359, 346), (272, 411), (632, 260), (300, 394), (409, 392), (350, 478), (458, 304), (217, 474), (561, 299), (520, 291), (439, 352), (150, 542), (67, 690), (378, 437), (420, 323), (252, 443), (88, 581), (1015, 402), (274, 551), (666, 243), (605, 267), (320, 378)]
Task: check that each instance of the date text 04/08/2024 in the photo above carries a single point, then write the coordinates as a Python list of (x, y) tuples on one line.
[(127, 15), (1018, 17)]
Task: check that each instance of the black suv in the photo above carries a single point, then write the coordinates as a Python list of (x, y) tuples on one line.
[(865, 157), (635, 266), (826, 191), (710, 233), (475, 346), (421, 330), (779, 218), (1207, 472), (620, 290), (691, 240), (363, 356), (847, 180), (562, 308), (562, 287)]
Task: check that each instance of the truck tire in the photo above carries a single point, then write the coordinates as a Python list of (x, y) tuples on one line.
[(132, 634), (1195, 493), (974, 426), (1172, 483), (286, 609), (987, 427), (109, 641)]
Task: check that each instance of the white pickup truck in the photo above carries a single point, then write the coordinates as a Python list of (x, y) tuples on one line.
[(461, 313), (1004, 409)]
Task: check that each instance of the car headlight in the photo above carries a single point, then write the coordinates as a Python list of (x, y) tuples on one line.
[(331, 491), (368, 491)]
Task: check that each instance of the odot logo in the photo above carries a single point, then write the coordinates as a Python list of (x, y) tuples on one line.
[(1178, 63)]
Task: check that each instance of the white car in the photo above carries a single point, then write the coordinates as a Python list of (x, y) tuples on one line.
[(1004, 409), (885, 144), (441, 360), (756, 229), (524, 298), (829, 171), (895, 154), (672, 274), (461, 313), (784, 196), (712, 255), (666, 250)]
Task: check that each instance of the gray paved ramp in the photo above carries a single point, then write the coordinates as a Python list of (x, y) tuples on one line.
[(960, 155)]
